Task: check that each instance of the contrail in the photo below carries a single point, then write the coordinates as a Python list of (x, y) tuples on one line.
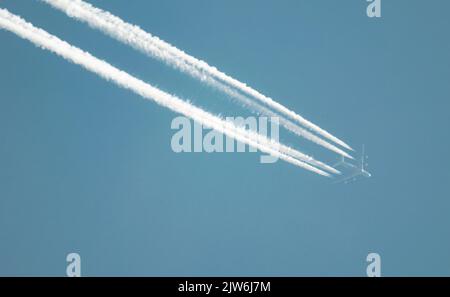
[(144, 42), (157, 48), (44, 40), (258, 108)]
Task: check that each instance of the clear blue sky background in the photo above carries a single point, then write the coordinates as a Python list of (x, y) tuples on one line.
[(87, 167)]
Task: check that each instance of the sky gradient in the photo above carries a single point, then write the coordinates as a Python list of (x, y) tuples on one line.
[(87, 167)]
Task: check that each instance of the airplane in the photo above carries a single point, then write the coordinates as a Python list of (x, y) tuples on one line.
[(352, 171)]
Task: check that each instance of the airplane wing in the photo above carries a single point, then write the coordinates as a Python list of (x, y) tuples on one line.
[(348, 178), (348, 165), (343, 163)]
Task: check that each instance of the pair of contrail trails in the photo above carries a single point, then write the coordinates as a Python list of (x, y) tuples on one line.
[(44, 40), (151, 45)]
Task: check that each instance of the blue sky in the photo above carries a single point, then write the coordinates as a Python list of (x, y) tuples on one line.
[(87, 167)]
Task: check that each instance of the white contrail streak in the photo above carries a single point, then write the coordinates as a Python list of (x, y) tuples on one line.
[(157, 48), (259, 108), (41, 38)]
